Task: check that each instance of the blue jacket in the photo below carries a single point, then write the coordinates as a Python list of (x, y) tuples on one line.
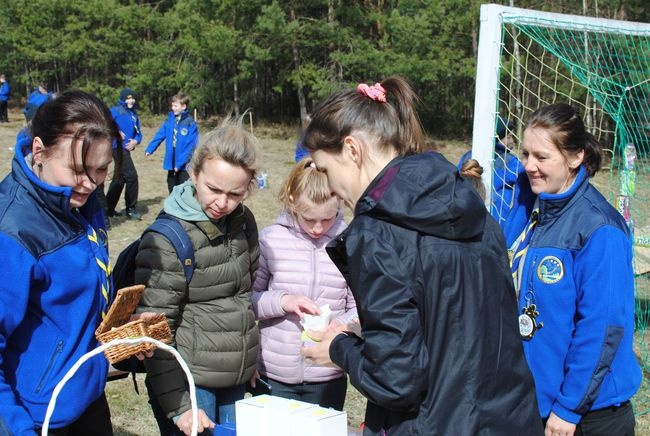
[(128, 123), (187, 135), (5, 92), (35, 100), (507, 169), (578, 272), (53, 291), (301, 151)]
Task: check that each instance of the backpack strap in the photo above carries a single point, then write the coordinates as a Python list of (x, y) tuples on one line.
[(170, 228)]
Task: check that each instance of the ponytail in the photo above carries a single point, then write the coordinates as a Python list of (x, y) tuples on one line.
[(386, 111)]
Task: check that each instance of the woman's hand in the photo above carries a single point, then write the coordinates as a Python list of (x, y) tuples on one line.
[(319, 352), (184, 423), (144, 315), (340, 327), (299, 305), (556, 426)]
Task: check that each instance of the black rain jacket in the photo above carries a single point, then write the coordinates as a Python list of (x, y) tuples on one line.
[(441, 352)]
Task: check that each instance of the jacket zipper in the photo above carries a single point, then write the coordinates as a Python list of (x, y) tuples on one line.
[(50, 364), (244, 311)]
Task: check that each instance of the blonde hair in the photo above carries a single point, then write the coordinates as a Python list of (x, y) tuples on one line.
[(471, 170), (231, 143), (306, 179)]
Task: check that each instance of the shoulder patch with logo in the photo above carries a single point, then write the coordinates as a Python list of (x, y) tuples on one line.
[(184, 131), (550, 270)]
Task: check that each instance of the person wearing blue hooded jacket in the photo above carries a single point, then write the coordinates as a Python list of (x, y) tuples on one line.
[(128, 122), (39, 96), (5, 94), (54, 277), (571, 259), (506, 169), (181, 135)]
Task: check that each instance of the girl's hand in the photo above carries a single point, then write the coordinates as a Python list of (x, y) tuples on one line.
[(299, 305), (184, 424)]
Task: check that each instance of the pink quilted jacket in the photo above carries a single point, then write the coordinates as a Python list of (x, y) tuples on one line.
[(293, 263)]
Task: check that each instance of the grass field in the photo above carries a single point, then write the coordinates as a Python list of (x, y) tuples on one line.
[(131, 412)]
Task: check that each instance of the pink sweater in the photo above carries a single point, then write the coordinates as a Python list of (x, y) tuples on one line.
[(291, 262)]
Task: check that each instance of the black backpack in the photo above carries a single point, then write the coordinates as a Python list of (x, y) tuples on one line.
[(124, 269), (170, 228)]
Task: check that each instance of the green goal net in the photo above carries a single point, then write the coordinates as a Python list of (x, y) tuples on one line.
[(530, 58)]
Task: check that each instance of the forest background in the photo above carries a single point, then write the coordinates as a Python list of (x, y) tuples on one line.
[(275, 58)]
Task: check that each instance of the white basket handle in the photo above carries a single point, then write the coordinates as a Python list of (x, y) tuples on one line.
[(126, 341)]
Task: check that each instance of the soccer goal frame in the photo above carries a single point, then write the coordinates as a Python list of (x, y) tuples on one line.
[(493, 18)]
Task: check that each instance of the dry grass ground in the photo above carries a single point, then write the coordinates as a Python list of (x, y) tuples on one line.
[(131, 412)]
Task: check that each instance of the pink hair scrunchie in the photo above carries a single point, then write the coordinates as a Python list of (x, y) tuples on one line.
[(375, 92)]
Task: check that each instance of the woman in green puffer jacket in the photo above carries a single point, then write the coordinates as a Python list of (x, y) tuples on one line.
[(211, 318)]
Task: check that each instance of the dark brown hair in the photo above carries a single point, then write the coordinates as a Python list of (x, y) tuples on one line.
[(394, 122), (567, 132), (80, 115)]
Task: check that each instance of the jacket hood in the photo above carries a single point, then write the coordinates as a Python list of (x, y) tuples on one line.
[(182, 203), (426, 194)]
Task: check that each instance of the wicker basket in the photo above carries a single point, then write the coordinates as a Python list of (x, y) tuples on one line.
[(116, 326)]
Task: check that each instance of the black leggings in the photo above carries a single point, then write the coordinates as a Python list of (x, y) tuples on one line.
[(609, 421), (329, 394), (95, 421)]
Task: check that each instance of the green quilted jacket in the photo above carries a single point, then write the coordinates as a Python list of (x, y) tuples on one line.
[(212, 319)]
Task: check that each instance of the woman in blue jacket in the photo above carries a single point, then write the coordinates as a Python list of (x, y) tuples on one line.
[(54, 275), (181, 135), (571, 258)]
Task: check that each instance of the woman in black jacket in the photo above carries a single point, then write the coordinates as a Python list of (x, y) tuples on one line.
[(439, 351)]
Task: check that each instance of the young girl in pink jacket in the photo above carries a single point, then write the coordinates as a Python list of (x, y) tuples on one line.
[(296, 278)]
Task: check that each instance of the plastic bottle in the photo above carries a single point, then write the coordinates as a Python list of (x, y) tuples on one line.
[(629, 154), (623, 206), (262, 182), (627, 176), (627, 182)]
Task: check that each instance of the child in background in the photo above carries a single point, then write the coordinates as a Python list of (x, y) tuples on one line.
[(39, 96), (181, 135), (296, 277), (127, 120)]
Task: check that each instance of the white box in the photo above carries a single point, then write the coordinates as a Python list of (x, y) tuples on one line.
[(253, 415), (318, 421), (267, 415)]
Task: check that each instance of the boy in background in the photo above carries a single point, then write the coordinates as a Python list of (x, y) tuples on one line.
[(181, 135), (128, 123)]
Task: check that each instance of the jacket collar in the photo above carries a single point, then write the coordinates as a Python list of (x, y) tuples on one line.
[(552, 205), (56, 199), (53, 198)]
